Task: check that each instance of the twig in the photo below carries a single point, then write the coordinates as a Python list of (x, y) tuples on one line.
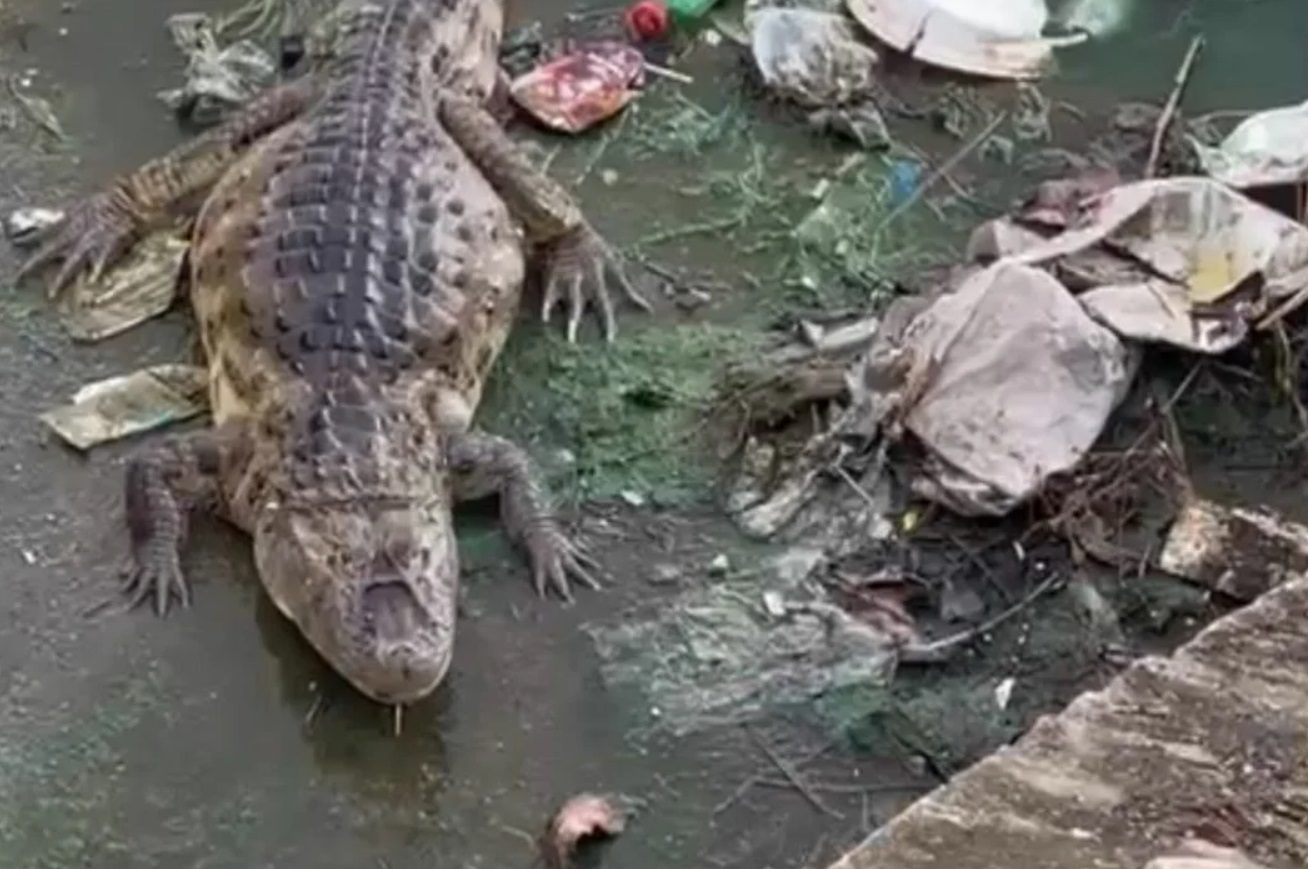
[(938, 650), (758, 777), (519, 834), (959, 190), (943, 169), (858, 489), (602, 146), (705, 228), (1173, 101), (314, 709), (672, 74), (792, 775), (846, 787)]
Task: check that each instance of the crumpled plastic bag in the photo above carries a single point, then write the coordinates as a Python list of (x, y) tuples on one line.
[(998, 40), (1265, 149), (1208, 262), (1006, 382), (812, 58), (575, 92), (217, 80), (815, 60)]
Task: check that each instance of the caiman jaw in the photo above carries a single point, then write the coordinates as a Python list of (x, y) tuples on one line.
[(373, 589)]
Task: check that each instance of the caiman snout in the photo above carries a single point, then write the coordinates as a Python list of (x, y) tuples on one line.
[(408, 656), (372, 589)]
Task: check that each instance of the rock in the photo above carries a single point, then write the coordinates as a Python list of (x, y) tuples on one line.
[(665, 574)]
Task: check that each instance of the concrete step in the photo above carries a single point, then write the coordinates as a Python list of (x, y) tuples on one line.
[(1209, 744)]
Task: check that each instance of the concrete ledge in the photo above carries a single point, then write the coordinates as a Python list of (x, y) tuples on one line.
[(1210, 743)]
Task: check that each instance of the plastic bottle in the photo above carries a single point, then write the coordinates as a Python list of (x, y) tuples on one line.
[(688, 11)]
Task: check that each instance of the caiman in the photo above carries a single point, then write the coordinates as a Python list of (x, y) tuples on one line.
[(360, 243)]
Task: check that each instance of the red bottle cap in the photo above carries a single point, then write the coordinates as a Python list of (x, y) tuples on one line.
[(647, 19)]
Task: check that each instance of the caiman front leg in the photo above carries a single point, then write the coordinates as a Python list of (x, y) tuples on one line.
[(103, 227), (579, 261), (165, 484), (483, 464)]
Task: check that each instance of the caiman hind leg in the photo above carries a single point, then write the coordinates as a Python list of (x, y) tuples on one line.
[(483, 464), (164, 486), (579, 262), (103, 227)]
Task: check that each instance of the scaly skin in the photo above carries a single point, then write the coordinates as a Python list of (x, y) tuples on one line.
[(357, 262)]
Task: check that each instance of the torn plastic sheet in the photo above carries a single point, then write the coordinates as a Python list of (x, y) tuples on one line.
[(1209, 262), (1009, 382), (137, 289), (216, 79), (998, 40), (119, 407), (718, 655), (1266, 149)]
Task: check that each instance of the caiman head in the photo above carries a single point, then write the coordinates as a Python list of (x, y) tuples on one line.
[(360, 554)]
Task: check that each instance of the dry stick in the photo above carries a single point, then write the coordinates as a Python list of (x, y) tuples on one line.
[(936, 651), (758, 777), (943, 169), (1173, 101), (846, 787), (792, 775)]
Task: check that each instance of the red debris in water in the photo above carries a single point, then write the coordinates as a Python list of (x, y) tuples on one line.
[(647, 20), (578, 90), (584, 816)]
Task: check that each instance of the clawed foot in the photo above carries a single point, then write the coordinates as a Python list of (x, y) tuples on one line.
[(554, 556), (580, 265), (94, 235), (159, 577)]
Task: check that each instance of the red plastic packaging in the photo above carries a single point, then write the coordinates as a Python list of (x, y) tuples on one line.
[(578, 90), (647, 20)]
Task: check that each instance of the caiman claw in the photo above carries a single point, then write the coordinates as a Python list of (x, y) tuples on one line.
[(580, 264), (93, 235), (554, 556), (156, 573)]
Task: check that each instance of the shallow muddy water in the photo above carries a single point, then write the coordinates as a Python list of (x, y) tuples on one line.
[(214, 738)]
